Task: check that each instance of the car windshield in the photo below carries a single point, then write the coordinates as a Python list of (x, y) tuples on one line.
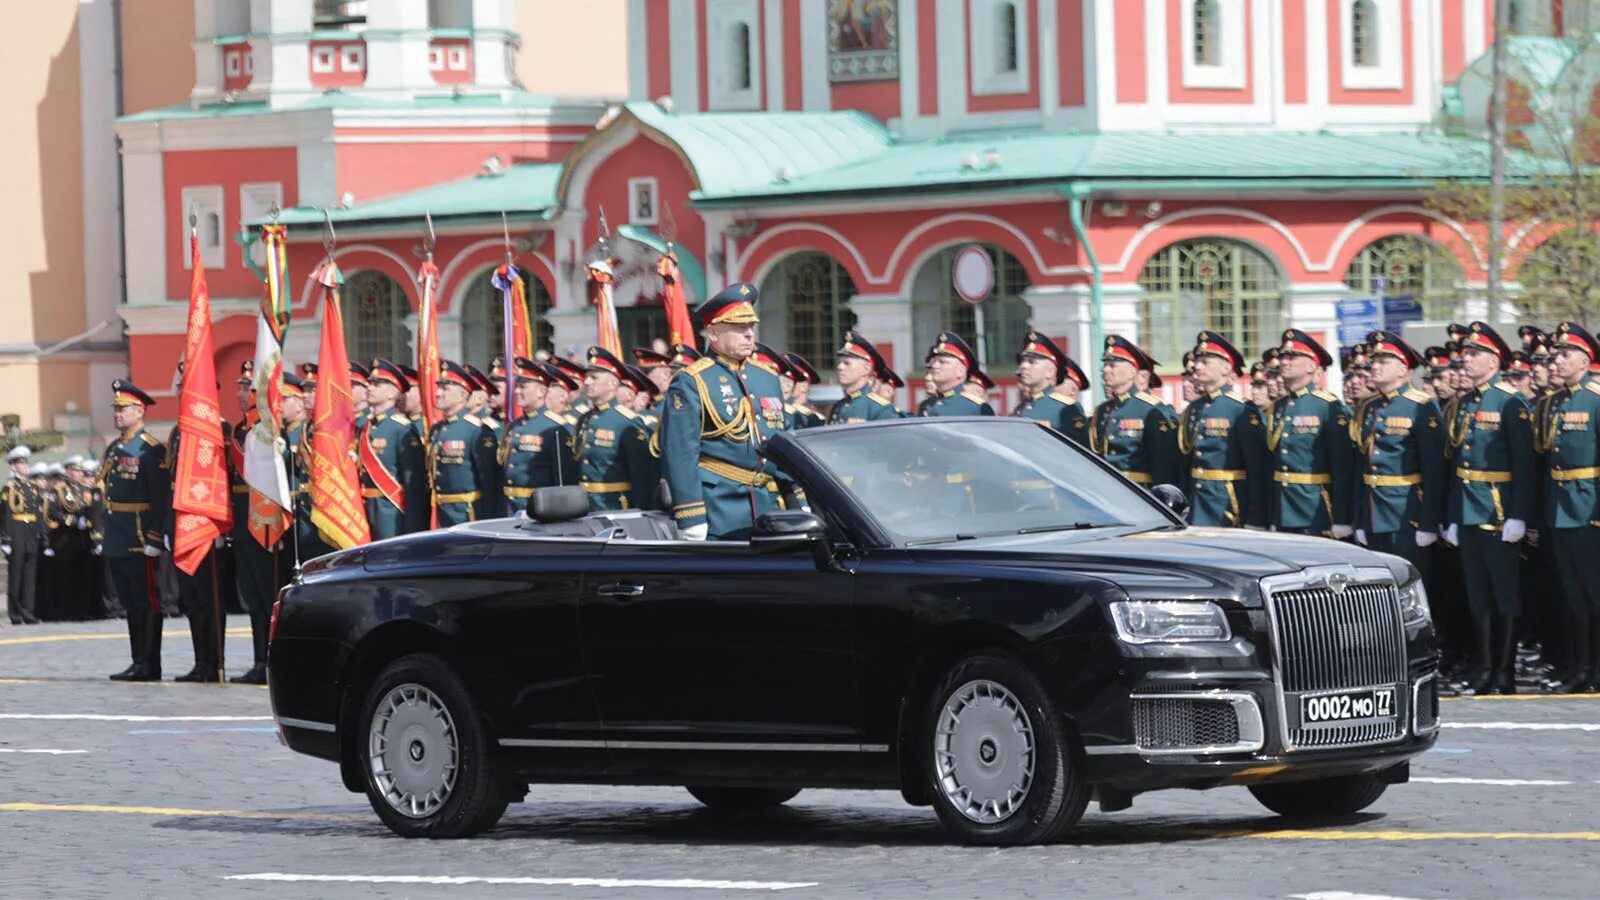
[(932, 481)]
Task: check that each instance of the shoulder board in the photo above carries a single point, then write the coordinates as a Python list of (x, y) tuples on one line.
[(1325, 395), (882, 402), (472, 418), (698, 366), (1593, 386), (1060, 397), (1502, 386), (1416, 395), (149, 439), (400, 418), (974, 393), (1147, 397), (626, 412)]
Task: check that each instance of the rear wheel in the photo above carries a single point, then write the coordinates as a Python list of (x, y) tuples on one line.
[(733, 798), (1000, 762), (1322, 798), (425, 753)]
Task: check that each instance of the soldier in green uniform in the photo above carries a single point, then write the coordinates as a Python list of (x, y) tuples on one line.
[(254, 572), (536, 451), (359, 398), (478, 400), (1133, 430), (951, 366), (614, 464), (719, 413), (1489, 502), (858, 366), (1569, 435), (887, 387), (22, 530), (1399, 442), (558, 395), (1043, 370), (1227, 442), (463, 467), (799, 397), (647, 424), (394, 467), (1308, 436), (136, 504)]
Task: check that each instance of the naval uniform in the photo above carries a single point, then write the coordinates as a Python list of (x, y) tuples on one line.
[(23, 510)]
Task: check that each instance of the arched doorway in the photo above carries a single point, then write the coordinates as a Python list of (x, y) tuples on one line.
[(483, 318), (375, 310), (994, 328), (1406, 265), (806, 300), (1211, 283)]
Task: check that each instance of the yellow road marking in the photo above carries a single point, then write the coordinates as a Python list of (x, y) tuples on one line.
[(1524, 697), (51, 638), (180, 812), (1304, 835)]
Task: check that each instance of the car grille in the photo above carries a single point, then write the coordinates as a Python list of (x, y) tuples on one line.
[(1172, 723), (1329, 641)]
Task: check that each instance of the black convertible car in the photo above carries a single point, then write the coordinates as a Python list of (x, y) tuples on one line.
[(974, 612)]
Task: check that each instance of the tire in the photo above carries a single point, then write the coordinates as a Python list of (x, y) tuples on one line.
[(1322, 798), (742, 799), (425, 754), (1000, 764)]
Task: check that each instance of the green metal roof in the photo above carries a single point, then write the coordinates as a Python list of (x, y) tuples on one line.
[(1544, 58), (520, 191)]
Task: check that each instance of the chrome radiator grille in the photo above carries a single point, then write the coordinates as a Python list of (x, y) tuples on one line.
[(1328, 641)]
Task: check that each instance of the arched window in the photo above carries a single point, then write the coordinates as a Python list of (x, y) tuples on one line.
[(1007, 39), (375, 310), (1404, 265), (994, 328), (1207, 50), (1557, 280), (739, 65), (1364, 34), (483, 318), (1226, 286), (808, 298)]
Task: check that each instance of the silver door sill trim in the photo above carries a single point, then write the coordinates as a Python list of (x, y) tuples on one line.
[(578, 743), (306, 724)]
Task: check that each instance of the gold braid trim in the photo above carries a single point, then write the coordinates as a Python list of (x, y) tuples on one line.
[(738, 429)]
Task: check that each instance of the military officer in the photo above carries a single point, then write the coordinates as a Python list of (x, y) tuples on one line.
[(358, 393), (558, 396), (255, 567), (536, 451), (308, 385), (393, 464), (1227, 443), (719, 413), (297, 447), (613, 451), (579, 403), (1133, 430), (462, 454), (858, 366), (136, 500), (656, 366), (887, 386), (1271, 366), (1400, 457), (951, 368), (1260, 395), (1489, 501), (477, 410), (683, 356), (1308, 436), (646, 407), (800, 408), (24, 536), (1043, 371)]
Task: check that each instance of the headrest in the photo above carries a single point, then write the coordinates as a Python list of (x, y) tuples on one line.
[(560, 504)]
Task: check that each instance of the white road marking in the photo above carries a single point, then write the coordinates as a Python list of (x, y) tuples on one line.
[(1527, 726), (1346, 895), (45, 752), (692, 884), (97, 717), (1499, 782)]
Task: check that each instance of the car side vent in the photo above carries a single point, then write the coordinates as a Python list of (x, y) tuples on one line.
[(1209, 723)]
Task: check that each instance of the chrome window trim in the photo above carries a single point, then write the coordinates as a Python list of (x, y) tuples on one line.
[(306, 724), (1313, 577), (745, 746), (1416, 694), (1246, 711)]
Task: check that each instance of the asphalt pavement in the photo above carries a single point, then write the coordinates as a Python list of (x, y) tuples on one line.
[(169, 790)]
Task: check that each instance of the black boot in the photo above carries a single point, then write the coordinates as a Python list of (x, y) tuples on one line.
[(1505, 659), (126, 674), (257, 675), (1481, 677), (1580, 655)]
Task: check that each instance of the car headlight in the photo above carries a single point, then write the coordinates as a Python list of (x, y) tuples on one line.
[(1414, 603), (1169, 621)]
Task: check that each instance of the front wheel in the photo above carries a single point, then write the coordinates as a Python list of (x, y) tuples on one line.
[(1322, 798), (1000, 762), (426, 755), (740, 799)]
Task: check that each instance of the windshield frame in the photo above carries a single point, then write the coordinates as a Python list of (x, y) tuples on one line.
[(840, 504)]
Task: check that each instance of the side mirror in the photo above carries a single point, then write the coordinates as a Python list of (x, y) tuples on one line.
[(778, 532), (1172, 498)]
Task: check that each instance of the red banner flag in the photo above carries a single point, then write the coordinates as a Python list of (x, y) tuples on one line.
[(337, 510), (601, 280), (680, 328), (428, 343), (200, 495)]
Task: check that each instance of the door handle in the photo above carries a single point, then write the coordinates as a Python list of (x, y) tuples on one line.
[(618, 589)]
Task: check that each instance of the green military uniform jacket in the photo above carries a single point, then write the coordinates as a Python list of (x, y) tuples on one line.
[(1569, 435), (1227, 444), (961, 401), (861, 406), (136, 494), (803, 416), (614, 462), (394, 467), (719, 413), (1491, 440), (1308, 436), (1057, 410), (1137, 434), (465, 470), (1400, 463), (536, 452)]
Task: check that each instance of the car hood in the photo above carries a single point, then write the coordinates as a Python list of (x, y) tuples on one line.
[(1169, 562)]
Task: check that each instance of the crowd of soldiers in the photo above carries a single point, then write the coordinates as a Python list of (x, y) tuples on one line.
[(1483, 473)]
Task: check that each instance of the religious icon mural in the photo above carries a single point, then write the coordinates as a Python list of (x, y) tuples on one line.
[(863, 40)]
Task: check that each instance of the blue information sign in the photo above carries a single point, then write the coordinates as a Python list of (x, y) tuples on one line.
[(1358, 316)]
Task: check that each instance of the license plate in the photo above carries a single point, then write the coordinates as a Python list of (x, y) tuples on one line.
[(1347, 706)]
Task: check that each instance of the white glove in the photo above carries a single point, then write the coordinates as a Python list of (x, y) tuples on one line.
[(218, 543), (152, 550), (1426, 538), (1340, 532), (694, 532), (49, 551), (166, 541), (1361, 537), (1451, 535), (99, 549), (1515, 530), (6, 549)]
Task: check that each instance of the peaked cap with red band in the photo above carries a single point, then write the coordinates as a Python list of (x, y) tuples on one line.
[(482, 381), (1483, 337), (572, 369), (859, 347), (635, 378), (1210, 343), (1530, 336), (1387, 343), (771, 359), (1521, 363), (1438, 358), (950, 344), (1575, 336), (308, 374), (1296, 341), (384, 370), (528, 370), (803, 369), (651, 359), (1258, 374), (604, 360), (497, 368), (456, 374), (889, 377), (126, 393), (683, 355), (1036, 344), (735, 304), (294, 385), (359, 374), (1119, 347), (560, 376)]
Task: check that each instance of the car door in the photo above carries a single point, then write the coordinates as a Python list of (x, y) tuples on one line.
[(710, 642)]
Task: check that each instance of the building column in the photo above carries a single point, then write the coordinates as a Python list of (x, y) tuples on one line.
[(494, 44), (397, 48), (280, 51), (1315, 308)]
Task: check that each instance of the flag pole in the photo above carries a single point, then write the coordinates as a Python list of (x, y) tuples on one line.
[(509, 327)]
